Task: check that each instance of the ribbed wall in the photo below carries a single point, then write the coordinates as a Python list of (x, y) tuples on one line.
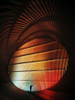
[(31, 44), (40, 63)]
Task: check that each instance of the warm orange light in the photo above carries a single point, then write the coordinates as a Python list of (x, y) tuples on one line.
[(38, 63)]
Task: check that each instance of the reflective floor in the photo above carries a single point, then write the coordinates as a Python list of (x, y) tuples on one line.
[(8, 92)]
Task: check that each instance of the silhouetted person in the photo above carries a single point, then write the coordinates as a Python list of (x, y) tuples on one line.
[(31, 87)]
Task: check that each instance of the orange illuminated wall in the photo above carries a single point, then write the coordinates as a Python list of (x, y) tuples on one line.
[(40, 62)]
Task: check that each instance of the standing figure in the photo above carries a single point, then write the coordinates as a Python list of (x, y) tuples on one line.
[(31, 87)]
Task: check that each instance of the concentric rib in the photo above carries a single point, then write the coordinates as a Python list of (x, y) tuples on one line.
[(35, 75), (28, 15), (34, 10), (41, 8), (38, 8), (41, 81), (25, 34), (35, 42), (54, 54), (36, 36), (32, 14), (40, 62), (35, 49), (43, 65), (35, 70), (45, 8)]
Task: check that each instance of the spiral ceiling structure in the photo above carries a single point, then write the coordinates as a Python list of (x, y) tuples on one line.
[(31, 44)]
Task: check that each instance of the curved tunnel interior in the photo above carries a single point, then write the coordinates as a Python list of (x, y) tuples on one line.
[(34, 50), (39, 63)]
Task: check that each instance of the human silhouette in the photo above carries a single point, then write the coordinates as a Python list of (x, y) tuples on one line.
[(31, 87)]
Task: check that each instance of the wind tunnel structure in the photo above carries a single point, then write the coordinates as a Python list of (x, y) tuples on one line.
[(40, 62), (31, 47)]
